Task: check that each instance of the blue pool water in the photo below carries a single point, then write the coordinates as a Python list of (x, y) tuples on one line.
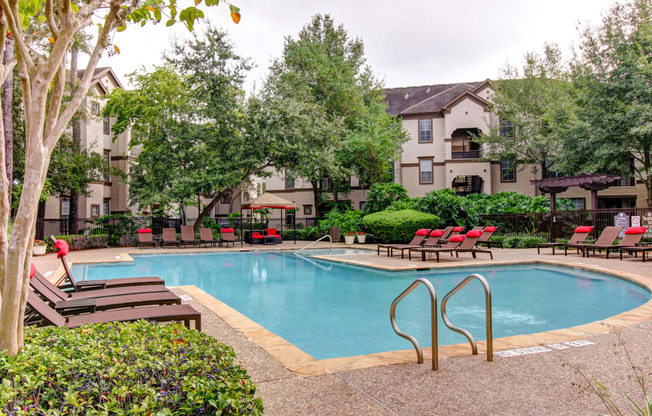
[(335, 310)]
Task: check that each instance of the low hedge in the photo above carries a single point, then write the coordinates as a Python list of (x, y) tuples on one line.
[(518, 241), (80, 242), (398, 226), (310, 234), (124, 368)]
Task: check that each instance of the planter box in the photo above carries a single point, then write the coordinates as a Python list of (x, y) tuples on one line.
[(39, 250), (349, 239), (362, 238)]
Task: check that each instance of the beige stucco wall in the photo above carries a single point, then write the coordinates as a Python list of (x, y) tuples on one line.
[(522, 183)]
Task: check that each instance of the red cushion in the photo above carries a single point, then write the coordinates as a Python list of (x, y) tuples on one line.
[(458, 229), (144, 230), (437, 233), (227, 230), (490, 229), (584, 229), (422, 231), (32, 270), (271, 231), (457, 238), (635, 230), (257, 236), (63, 248), (474, 233)]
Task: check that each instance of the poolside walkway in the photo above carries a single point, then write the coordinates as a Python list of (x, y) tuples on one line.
[(533, 384)]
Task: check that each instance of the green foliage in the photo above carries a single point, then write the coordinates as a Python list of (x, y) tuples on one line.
[(117, 225), (348, 221), (234, 219), (309, 234), (125, 368), (214, 227), (80, 242), (382, 195), (399, 226), (449, 208), (518, 241)]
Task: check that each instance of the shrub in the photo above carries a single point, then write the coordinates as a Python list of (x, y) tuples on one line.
[(80, 242), (214, 227), (124, 368), (399, 226), (382, 195), (117, 225), (310, 234), (347, 221), (519, 241), (450, 208)]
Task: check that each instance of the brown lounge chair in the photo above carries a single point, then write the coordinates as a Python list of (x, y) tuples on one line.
[(451, 245), (580, 234), (419, 237), (432, 241), (37, 308), (169, 237), (188, 235), (145, 238), (228, 236), (63, 249), (455, 231), (607, 238), (469, 246), (486, 235), (206, 237), (632, 237)]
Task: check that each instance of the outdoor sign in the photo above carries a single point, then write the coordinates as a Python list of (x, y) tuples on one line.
[(647, 223), (636, 221), (621, 219)]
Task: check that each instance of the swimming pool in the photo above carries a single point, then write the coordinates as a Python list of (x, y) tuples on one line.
[(335, 310)]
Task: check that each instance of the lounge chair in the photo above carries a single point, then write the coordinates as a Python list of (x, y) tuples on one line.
[(470, 246), (228, 236), (432, 241), (451, 245), (169, 237), (49, 316), (486, 235), (271, 232), (206, 237), (188, 235), (447, 232), (145, 238), (456, 231), (580, 234), (631, 238), (607, 238), (63, 249), (419, 237)]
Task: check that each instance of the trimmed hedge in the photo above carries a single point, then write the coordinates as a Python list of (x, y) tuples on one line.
[(398, 226), (516, 241), (124, 368), (310, 233), (80, 242)]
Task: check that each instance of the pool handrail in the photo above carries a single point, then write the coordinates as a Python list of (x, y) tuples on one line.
[(467, 334), (433, 321), (330, 247)]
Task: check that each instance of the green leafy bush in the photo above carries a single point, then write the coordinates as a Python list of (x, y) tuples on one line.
[(347, 221), (310, 234), (214, 227), (118, 225), (382, 195), (399, 226), (124, 368), (80, 242), (519, 241)]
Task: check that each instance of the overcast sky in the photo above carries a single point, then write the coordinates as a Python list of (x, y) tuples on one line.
[(406, 43)]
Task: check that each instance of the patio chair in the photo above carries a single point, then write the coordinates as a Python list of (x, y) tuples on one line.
[(169, 237), (607, 238), (188, 235), (486, 235), (37, 308), (272, 232), (447, 232), (455, 231), (631, 238), (228, 236), (63, 249), (432, 241), (451, 245), (580, 234), (206, 237), (145, 238), (419, 237), (470, 246)]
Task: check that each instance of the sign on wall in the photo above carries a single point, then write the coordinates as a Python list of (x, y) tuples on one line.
[(647, 223), (621, 219)]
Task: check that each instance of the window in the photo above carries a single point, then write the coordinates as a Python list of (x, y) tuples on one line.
[(425, 171), (65, 208), (425, 131), (95, 210), (307, 210), (506, 129), (107, 159), (246, 196), (226, 199), (106, 207), (106, 125), (289, 217), (580, 203), (362, 204), (325, 183), (289, 179), (95, 108), (507, 171)]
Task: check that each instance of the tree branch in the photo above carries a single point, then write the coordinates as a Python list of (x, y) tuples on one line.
[(58, 89), (49, 14), (11, 14)]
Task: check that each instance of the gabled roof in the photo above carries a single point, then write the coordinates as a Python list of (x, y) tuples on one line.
[(427, 99), (100, 73)]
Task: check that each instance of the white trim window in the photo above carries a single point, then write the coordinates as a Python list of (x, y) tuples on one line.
[(425, 130), (425, 171)]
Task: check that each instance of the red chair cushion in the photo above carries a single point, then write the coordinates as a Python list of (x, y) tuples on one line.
[(32, 270), (63, 248), (257, 237), (458, 229), (584, 229), (271, 231), (437, 233), (457, 238), (476, 233), (490, 229), (144, 230), (227, 230), (422, 231), (635, 230)]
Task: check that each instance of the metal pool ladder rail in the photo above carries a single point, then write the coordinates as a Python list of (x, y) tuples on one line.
[(467, 334), (433, 320), (330, 246)]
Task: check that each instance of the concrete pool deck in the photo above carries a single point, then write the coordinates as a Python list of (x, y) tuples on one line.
[(541, 383)]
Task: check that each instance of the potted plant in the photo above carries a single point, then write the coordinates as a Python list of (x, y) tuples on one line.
[(362, 236), (39, 248), (349, 238)]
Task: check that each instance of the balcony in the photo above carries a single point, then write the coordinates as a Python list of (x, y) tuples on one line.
[(464, 185), (625, 181), (466, 154)]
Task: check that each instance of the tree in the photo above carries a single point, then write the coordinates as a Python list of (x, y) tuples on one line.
[(43, 32), (534, 105), (611, 74)]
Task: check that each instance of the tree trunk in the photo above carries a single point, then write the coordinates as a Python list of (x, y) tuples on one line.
[(207, 209), (7, 116), (76, 143), (316, 193)]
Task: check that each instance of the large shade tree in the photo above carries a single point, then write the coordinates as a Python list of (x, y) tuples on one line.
[(43, 32)]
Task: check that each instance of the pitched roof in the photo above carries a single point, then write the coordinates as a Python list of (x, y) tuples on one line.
[(99, 73), (425, 98)]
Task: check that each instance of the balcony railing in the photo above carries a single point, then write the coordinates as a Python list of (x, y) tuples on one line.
[(626, 181), (466, 154)]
